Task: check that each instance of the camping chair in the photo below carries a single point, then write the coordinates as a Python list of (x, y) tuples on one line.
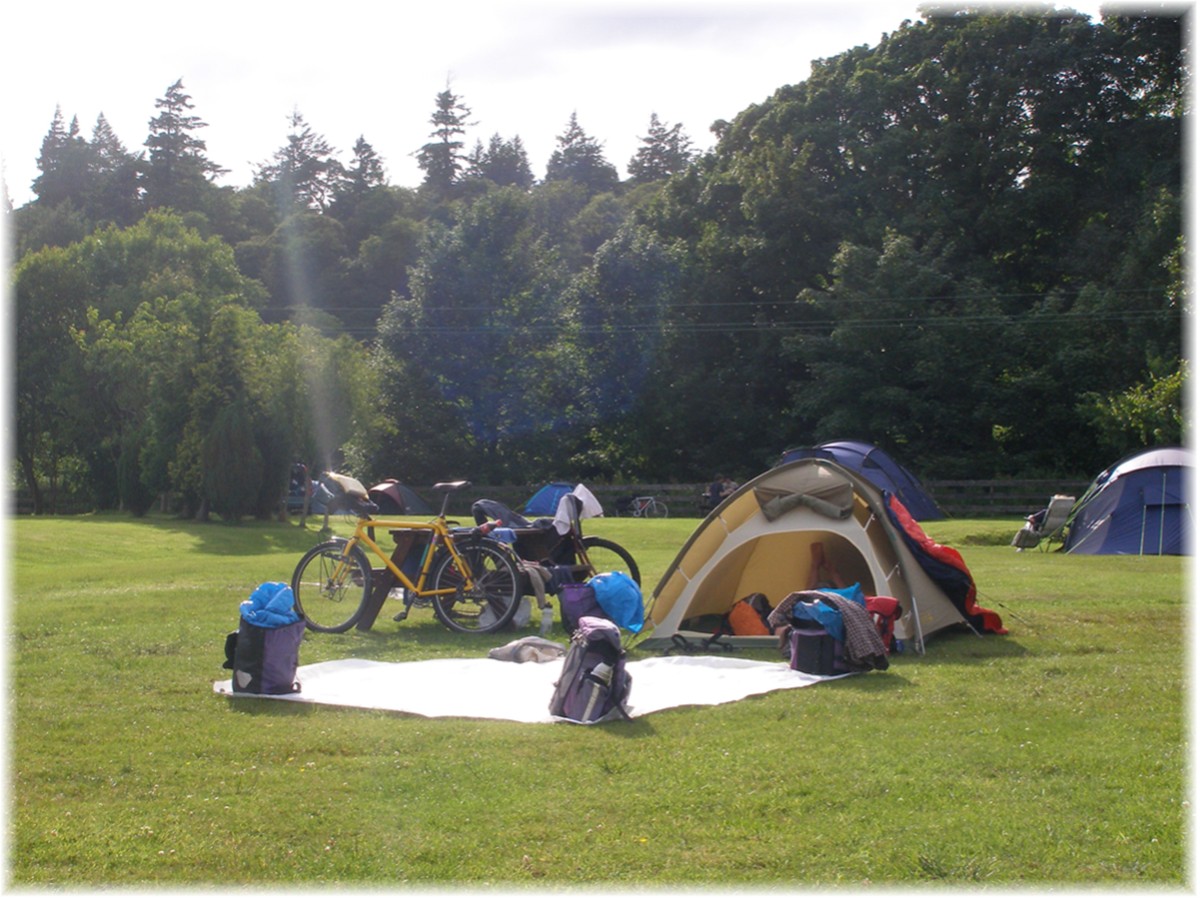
[(1044, 525)]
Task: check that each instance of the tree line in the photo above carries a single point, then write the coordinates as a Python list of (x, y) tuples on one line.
[(963, 244)]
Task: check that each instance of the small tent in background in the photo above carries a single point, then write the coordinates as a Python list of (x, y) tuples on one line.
[(545, 501), (396, 499), (770, 534), (1140, 506), (878, 468)]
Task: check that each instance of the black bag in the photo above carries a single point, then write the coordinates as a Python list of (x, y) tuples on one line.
[(817, 652), (264, 660), (594, 684)]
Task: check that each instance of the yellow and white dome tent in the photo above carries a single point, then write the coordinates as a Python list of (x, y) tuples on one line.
[(770, 535)]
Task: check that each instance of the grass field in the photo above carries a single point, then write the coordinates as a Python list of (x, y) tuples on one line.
[(1053, 757)]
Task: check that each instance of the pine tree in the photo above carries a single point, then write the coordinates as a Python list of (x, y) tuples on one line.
[(664, 152), (115, 191), (442, 159), (63, 162), (504, 163), (177, 170), (366, 172), (303, 171), (580, 158)]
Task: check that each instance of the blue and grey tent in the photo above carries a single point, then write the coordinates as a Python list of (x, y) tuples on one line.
[(1140, 506), (545, 501), (878, 468)]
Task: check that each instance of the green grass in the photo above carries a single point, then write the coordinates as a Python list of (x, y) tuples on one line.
[(1054, 756)]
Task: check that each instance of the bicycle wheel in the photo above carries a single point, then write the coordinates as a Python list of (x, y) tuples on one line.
[(491, 601), (331, 585), (656, 510), (609, 556)]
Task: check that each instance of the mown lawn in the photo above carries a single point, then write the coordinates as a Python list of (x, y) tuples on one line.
[(1054, 756)]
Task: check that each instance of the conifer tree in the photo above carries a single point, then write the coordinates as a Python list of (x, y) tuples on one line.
[(115, 192), (664, 152), (366, 172), (580, 158), (442, 159), (303, 171), (63, 162), (504, 163), (178, 170)]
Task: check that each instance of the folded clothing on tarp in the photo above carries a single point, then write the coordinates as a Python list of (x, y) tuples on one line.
[(520, 692)]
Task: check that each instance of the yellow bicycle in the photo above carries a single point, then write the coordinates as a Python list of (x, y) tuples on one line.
[(469, 578)]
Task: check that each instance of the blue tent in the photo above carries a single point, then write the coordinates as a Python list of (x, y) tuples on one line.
[(879, 469), (1138, 506), (545, 501)]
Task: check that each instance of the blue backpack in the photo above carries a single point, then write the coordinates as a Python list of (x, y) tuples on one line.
[(594, 685), (620, 598)]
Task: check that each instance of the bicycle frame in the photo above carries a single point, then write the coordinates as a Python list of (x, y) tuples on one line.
[(471, 579), (441, 535)]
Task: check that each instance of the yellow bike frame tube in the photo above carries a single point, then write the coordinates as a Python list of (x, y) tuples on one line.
[(439, 531)]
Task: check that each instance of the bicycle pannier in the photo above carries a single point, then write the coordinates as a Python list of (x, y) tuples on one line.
[(815, 651), (264, 660), (265, 650), (576, 601)]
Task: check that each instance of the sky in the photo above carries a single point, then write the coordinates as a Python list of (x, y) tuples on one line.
[(374, 70)]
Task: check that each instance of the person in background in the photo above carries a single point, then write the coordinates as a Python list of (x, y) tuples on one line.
[(716, 491)]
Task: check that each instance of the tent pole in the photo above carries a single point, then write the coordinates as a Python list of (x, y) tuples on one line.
[(917, 632), (1162, 513)]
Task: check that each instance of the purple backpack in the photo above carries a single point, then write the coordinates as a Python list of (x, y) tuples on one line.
[(594, 685)]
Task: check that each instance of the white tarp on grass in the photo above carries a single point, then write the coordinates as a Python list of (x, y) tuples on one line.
[(520, 692)]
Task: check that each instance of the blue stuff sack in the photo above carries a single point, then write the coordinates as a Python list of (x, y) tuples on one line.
[(621, 599), (270, 606), (826, 617), (854, 592)]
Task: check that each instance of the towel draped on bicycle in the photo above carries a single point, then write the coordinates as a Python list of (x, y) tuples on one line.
[(558, 543)]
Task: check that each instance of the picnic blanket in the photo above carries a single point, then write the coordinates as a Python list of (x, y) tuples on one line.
[(520, 692)]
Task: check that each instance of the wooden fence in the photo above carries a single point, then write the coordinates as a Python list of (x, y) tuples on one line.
[(965, 499), (997, 498)]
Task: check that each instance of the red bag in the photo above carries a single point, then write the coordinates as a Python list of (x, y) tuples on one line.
[(884, 612)]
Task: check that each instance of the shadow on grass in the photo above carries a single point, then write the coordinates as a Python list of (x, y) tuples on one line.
[(964, 647), (246, 538), (632, 729)]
